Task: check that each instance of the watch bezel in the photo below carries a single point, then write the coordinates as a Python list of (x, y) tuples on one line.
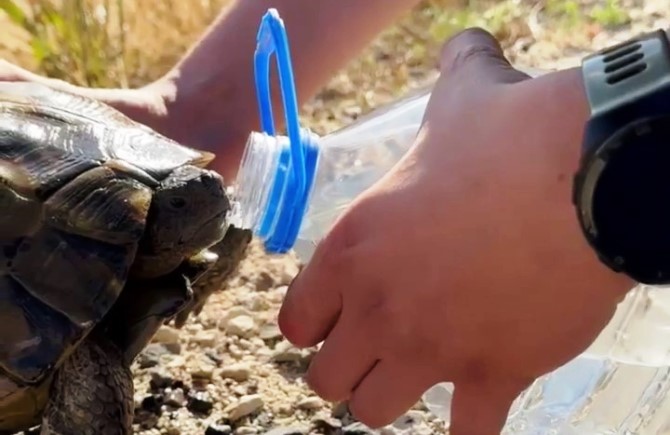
[(586, 184)]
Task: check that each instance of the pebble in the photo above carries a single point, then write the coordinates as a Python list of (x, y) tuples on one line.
[(218, 429), (238, 372), (201, 370), (264, 282), (409, 420), (284, 351), (160, 379), (175, 398), (244, 406), (166, 335), (151, 355), (357, 428), (152, 403), (199, 403), (310, 403), (241, 326), (246, 430), (291, 430), (205, 338), (326, 424), (231, 314), (269, 331)]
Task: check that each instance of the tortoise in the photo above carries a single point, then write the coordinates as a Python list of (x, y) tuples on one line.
[(108, 230)]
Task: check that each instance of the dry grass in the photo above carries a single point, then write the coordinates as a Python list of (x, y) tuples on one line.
[(82, 41)]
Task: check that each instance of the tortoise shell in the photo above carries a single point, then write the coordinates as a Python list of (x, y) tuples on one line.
[(89, 198)]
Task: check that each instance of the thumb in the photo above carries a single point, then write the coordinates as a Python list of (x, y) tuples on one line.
[(481, 409), (475, 54)]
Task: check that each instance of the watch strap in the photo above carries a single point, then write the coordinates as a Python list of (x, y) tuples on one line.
[(626, 72)]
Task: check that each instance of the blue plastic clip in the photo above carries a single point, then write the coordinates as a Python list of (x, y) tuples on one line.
[(298, 159)]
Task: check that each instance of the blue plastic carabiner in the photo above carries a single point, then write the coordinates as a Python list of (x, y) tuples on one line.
[(272, 38), (295, 173)]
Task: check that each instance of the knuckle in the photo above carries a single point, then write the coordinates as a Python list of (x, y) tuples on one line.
[(467, 45)]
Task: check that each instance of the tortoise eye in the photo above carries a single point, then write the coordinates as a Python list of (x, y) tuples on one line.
[(177, 202)]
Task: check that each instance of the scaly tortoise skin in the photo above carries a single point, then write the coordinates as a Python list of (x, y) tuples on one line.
[(108, 230)]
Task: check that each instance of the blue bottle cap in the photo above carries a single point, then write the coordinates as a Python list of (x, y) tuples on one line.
[(294, 177)]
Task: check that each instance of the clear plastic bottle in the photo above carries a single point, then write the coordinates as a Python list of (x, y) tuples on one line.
[(349, 161), (292, 188)]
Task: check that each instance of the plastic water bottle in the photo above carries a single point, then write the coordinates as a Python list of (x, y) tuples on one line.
[(619, 385), (290, 190)]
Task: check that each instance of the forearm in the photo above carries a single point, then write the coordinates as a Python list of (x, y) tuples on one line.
[(214, 101)]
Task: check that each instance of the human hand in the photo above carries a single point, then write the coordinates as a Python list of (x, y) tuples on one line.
[(145, 105), (466, 262)]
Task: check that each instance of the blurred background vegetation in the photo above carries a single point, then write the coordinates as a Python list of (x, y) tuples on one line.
[(131, 42)]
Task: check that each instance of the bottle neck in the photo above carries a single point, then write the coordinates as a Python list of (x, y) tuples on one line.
[(272, 193), (255, 179)]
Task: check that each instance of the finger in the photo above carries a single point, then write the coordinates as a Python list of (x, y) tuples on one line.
[(388, 391), (477, 55), (314, 300), (479, 409), (13, 73), (345, 357)]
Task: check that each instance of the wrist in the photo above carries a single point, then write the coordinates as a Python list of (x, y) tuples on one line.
[(568, 110)]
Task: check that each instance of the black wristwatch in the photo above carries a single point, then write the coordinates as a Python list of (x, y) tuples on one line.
[(622, 189)]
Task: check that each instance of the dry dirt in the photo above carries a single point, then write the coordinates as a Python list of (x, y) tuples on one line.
[(230, 370)]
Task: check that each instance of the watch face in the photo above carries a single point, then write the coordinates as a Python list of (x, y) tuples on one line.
[(631, 199)]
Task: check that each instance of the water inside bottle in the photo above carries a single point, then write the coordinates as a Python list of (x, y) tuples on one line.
[(619, 385), (355, 158)]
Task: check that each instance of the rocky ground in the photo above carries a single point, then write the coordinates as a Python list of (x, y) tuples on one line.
[(229, 371)]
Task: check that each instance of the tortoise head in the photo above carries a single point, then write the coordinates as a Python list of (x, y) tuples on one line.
[(187, 215)]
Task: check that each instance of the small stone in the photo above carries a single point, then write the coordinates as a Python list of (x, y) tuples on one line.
[(242, 326), (218, 429), (151, 355), (152, 404), (239, 372), (357, 428), (409, 420), (291, 430), (201, 370), (246, 430), (160, 379), (326, 424), (284, 351), (231, 314), (245, 406), (173, 431), (388, 430), (166, 334), (199, 403), (270, 331), (175, 398), (205, 338), (310, 403), (264, 281)]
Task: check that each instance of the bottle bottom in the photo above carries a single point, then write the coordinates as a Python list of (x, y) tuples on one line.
[(620, 385)]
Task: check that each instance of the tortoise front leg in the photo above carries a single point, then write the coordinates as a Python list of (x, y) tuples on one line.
[(92, 393)]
